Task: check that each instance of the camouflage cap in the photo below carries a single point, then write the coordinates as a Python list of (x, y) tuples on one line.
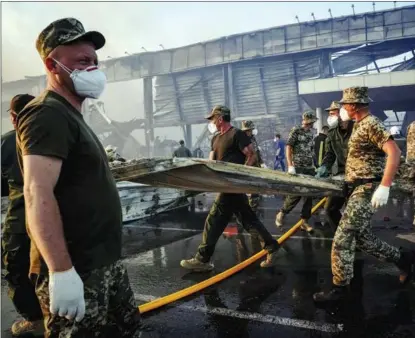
[(309, 116), (65, 31), (247, 125), (335, 105), (219, 111), (356, 95)]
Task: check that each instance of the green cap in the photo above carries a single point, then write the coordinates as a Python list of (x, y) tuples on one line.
[(65, 31), (247, 125), (335, 105), (309, 116), (219, 111)]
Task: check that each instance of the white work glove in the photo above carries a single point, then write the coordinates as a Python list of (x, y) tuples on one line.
[(380, 196), (291, 170), (263, 165), (66, 293)]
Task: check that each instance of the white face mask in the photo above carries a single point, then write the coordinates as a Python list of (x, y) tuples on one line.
[(89, 82), (344, 115), (333, 121), (255, 132), (212, 128)]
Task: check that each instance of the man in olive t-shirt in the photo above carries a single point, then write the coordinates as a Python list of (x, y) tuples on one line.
[(73, 209), (230, 145), (15, 242)]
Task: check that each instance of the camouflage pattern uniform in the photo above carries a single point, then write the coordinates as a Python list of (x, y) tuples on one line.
[(111, 310), (302, 145), (410, 154), (364, 168), (254, 199), (410, 146)]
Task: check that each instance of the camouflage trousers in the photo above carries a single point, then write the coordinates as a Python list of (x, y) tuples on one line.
[(354, 231), (110, 307), (290, 202)]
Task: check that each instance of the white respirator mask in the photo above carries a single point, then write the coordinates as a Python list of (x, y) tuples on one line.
[(255, 132), (89, 82), (344, 115), (212, 128), (333, 121)]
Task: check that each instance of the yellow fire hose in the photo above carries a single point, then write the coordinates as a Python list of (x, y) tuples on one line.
[(157, 303)]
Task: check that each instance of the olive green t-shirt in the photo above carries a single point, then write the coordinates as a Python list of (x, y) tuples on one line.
[(228, 147), (10, 172), (86, 192)]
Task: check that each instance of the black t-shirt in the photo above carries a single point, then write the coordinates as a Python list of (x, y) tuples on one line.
[(13, 181), (228, 146), (86, 192)]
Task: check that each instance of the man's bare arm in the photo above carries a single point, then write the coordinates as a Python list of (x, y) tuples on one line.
[(392, 162), (42, 212), (289, 151), (250, 155), (212, 155)]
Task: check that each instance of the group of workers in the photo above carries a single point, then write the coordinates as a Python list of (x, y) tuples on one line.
[(67, 216), (367, 158)]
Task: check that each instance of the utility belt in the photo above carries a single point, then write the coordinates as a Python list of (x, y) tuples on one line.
[(350, 186)]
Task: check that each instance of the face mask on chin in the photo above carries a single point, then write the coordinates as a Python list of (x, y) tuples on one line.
[(344, 115), (89, 82), (333, 121)]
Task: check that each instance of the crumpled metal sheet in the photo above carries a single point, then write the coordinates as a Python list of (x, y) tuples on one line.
[(215, 176)]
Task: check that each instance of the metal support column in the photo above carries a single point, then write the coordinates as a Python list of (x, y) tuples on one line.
[(225, 73), (319, 112), (231, 92), (148, 112), (188, 136), (263, 92), (178, 103)]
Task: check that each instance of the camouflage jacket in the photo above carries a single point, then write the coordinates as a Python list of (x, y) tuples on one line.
[(410, 145), (365, 158), (259, 160), (301, 142)]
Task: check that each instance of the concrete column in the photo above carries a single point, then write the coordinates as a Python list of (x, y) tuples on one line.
[(319, 112), (148, 112), (188, 136)]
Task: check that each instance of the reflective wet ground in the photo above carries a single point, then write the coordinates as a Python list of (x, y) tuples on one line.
[(263, 302)]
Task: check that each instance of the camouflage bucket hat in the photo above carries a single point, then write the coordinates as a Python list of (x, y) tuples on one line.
[(247, 125), (63, 32), (335, 105), (219, 111), (356, 95), (309, 116)]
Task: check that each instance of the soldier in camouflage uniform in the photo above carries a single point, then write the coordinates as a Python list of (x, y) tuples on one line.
[(368, 184), (410, 153), (299, 160), (410, 147), (249, 128), (74, 218)]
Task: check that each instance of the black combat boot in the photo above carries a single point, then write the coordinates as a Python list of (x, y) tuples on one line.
[(406, 265), (337, 293)]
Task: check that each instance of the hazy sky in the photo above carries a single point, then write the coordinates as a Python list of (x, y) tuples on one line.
[(130, 26)]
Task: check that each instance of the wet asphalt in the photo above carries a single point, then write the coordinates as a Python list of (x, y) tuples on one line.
[(260, 302)]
